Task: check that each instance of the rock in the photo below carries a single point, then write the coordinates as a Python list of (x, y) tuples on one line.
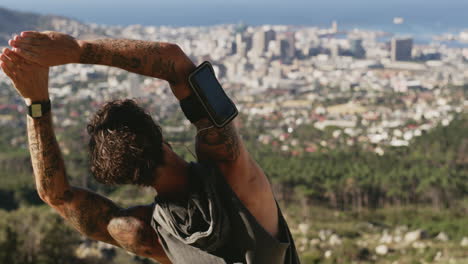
[(324, 234), (386, 238), (88, 251), (362, 243), (397, 239), (303, 241), (303, 228), (335, 240), (419, 245), (381, 250), (442, 237), (301, 248), (314, 242), (438, 256), (413, 236), (328, 254), (464, 242), (400, 230)]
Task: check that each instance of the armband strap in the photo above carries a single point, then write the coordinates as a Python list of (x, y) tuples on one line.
[(192, 108)]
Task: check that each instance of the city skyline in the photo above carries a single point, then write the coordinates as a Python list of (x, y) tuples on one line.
[(430, 16)]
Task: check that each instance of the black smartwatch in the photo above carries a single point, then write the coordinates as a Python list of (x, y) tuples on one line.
[(39, 108), (208, 98)]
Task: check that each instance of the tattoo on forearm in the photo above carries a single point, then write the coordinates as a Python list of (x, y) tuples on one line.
[(46, 158), (165, 68), (143, 57), (124, 62), (91, 55), (221, 144)]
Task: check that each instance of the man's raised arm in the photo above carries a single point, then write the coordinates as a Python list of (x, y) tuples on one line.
[(156, 59), (222, 146), (91, 214)]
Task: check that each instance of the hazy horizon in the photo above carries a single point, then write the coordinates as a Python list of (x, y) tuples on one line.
[(420, 15)]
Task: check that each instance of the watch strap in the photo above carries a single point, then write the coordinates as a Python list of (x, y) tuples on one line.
[(39, 108), (192, 108)]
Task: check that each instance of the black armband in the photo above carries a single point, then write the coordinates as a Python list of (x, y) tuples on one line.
[(192, 108)]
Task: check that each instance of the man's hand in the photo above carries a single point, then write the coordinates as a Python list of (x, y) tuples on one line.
[(30, 79), (161, 60), (46, 48)]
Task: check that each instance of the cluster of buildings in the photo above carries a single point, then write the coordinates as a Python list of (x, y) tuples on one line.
[(355, 87)]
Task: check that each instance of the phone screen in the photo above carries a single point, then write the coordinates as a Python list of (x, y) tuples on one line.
[(220, 106)]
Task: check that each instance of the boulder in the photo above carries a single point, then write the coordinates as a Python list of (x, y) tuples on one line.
[(414, 236), (303, 228), (335, 240), (419, 245), (442, 237), (324, 234), (464, 242), (302, 241), (400, 230), (314, 242), (397, 239), (381, 250), (328, 254), (386, 238)]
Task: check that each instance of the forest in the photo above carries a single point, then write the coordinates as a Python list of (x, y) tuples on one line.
[(431, 172)]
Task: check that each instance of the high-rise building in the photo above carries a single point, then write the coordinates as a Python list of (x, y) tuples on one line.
[(402, 49), (334, 27), (243, 43), (357, 50), (270, 35), (287, 47), (259, 42)]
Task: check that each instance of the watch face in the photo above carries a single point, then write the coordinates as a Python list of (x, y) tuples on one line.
[(36, 110)]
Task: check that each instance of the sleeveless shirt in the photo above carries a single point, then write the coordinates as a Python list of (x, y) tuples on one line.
[(212, 226)]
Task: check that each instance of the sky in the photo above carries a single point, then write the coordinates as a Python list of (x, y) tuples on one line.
[(203, 12)]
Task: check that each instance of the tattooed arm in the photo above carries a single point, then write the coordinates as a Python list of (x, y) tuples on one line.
[(166, 61), (156, 59), (224, 146), (91, 214)]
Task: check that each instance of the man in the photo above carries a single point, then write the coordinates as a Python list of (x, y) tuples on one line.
[(220, 210)]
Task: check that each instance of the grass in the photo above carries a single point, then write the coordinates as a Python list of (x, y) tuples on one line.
[(368, 225)]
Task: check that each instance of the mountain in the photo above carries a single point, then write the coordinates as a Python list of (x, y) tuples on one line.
[(12, 22)]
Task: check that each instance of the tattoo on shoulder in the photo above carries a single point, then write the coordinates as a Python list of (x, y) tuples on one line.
[(221, 144)]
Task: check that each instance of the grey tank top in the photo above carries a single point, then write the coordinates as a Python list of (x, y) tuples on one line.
[(212, 226)]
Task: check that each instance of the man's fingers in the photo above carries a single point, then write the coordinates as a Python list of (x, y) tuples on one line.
[(7, 70), (6, 59), (23, 45), (30, 34), (27, 54), (15, 58)]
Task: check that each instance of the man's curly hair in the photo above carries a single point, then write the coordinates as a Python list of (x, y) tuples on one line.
[(125, 144)]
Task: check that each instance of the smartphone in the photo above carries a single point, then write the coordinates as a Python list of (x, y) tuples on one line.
[(221, 110)]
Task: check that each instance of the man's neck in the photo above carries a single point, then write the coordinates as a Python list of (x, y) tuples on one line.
[(173, 180)]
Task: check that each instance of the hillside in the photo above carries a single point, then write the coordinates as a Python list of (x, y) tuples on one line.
[(12, 22)]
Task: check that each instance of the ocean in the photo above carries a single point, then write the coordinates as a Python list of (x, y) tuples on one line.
[(423, 18)]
